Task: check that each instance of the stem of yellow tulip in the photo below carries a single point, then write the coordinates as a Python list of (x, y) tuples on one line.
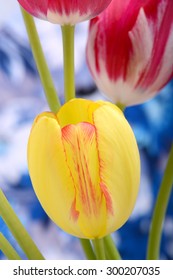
[(7, 249), (122, 107), (45, 76), (99, 249), (88, 250), (68, 53), (160, 210), (110, 249), (18, 230)]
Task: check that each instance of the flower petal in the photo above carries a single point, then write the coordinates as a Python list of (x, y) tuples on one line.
[(64, 11), (35, 7), (82, 158), (119, 159), (50, 175), (129, 49), (71, 12), (75, 111)]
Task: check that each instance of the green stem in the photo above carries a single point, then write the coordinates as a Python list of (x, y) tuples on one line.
[(7, 249), (45, 76), (122, 107), (18, 230), (99, 249), (68, 52), (160, 210), (88, 250), (110, 249)]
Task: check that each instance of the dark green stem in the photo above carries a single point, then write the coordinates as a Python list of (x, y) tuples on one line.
[(87, 248), (110, 249), (153, 249), (45, 76), (18, 230)]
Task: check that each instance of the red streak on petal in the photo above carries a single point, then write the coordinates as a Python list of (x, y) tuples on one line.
[(86, 184), (103, 187), (78, 137), (66, 134), (74, 213), (107, 197)]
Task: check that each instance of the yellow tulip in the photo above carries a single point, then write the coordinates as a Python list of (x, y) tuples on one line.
[(85, 168)]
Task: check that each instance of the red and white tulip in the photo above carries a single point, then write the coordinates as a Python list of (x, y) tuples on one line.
[(64, 11), (130, 49)]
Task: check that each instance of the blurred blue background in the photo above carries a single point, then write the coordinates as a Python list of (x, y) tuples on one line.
[(22, 98)]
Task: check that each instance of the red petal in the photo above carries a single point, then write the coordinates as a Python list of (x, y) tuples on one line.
[(35, 7)]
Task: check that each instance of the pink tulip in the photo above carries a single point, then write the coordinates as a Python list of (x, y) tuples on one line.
[(130, 49), (64, 11)]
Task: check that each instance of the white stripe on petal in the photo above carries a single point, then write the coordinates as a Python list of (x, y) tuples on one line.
[(64, 19), (117, 91), (142, 39), (41, 16), (91, 49), (120, 91)]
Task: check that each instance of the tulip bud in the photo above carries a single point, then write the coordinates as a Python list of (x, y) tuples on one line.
[(84, 166), (130, 49), (64, 11)]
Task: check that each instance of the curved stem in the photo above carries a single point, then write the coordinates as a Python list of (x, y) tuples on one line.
[(110, 249), (68, 52), (18, 230), (99, 249), (160, 210), (45, 76), (87, 248), (7, 249)]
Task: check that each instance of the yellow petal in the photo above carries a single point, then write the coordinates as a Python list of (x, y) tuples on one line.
[(111, 105), (86, 175), (82, 158), (120, 169), (50, 174), (76, 111)]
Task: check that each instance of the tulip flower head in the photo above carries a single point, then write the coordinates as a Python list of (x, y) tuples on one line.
[(64, 11), (84, 166), (130, 49)]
